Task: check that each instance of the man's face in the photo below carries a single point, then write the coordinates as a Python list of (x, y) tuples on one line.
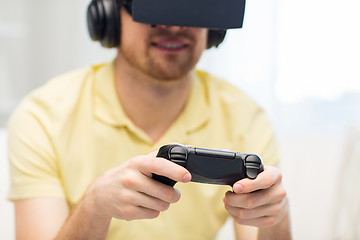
[(163, 52)]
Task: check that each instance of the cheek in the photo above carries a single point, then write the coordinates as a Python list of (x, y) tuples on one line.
[(132, 32), (134, 40), (202, 35)]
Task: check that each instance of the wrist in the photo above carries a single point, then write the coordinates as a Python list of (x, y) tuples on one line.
[(85, 222), (92, 207), (281, 230)]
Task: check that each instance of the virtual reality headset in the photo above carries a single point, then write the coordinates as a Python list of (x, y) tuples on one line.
[(212, 14), (216, 15)]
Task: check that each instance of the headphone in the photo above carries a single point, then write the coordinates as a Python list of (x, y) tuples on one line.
[(103, 21)]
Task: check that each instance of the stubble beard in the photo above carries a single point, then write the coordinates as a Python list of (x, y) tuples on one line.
[(163, 67)]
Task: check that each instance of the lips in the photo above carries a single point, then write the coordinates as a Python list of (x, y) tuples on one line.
[(171, 45)]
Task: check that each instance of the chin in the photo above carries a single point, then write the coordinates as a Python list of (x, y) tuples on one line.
[(171, 71), (170, 75)]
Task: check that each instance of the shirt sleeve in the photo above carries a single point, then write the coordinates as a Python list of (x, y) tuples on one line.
[(261, 138), (33, 164)]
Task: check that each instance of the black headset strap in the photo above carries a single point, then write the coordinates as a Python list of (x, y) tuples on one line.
[(127, 5)]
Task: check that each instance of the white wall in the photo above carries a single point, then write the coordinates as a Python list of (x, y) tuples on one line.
[(40, 39), (246, 58), (317, 84)]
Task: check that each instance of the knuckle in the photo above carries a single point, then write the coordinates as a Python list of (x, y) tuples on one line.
[(128, 198), (174, 197), (280, 176), (282, 193), (154, 166), (153, 214), (268, 181), (250, 202), (128, 182), (227, 207), (238, 220), (243, 214), (128, 213), (138, 162), (132, 162), (277, 209), (269, 221), (170, 196), (164, 206)]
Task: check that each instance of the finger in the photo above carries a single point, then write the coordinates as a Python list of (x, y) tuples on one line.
[(262, 211), (251, 200), (136, 212), (163, 167), (154, 204), (260, 222), (264, 180), (146, 201), (144, 184), (160, 191)]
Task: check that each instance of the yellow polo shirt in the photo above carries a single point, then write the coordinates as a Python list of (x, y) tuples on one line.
[(68, 132)]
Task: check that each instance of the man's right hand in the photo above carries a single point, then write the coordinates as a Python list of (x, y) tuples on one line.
[(128, 191), (124, 192)]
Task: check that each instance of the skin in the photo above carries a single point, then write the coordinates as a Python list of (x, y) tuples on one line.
[(153, 71)]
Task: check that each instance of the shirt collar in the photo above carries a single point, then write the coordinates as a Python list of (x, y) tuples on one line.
[(108, 109)]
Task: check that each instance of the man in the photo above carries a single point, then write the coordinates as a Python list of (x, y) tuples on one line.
[(83, 148)]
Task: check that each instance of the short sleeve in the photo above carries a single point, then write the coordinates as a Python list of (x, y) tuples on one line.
[(261, 138), (33, 165)]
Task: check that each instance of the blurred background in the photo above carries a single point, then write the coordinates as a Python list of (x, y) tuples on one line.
[(299, 59)]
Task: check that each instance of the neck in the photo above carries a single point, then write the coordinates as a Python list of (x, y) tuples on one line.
[(151, 104)]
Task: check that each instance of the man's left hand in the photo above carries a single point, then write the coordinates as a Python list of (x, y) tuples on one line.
[(260, 202)]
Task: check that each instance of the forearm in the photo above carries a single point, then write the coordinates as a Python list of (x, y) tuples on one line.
[(85, 223), (280, 231)]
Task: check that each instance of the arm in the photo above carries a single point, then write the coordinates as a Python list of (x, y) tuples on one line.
[(42, 218), (245, 232), (125, 192), (279, 231), (39, 218), (252, 233), (261, 203)]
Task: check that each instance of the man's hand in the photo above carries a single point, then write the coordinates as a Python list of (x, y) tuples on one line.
[(128, 191), (124, 192), (260, 202)]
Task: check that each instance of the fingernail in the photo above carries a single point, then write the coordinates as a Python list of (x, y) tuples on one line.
[(186, 178), (237, 188), (178, 192)]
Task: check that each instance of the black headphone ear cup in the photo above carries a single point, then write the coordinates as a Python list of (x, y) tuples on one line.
[(112, 24), (96, 20), (103, 18), (215, 37)]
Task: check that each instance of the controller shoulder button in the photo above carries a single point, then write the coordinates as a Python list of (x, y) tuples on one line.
[(178, 154), (253, 166), (254, 159)]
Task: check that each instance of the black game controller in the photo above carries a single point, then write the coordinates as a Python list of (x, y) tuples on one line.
[(211, 166)]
